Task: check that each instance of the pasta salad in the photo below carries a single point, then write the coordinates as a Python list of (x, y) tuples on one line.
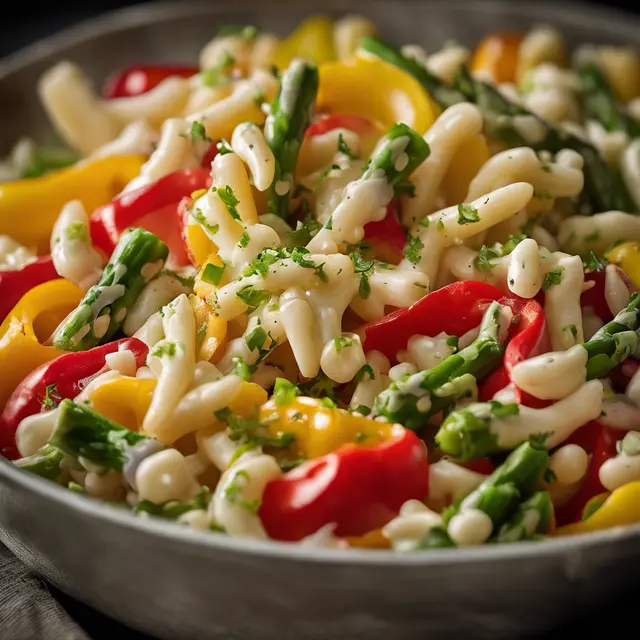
[(322, 289)]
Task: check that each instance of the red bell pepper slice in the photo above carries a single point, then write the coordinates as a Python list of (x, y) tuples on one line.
[(358, 488), (601, 442), (528, 338), (389, 229), (454, 309), (153, 207), (69, 374), (14, 284), (139, 79)]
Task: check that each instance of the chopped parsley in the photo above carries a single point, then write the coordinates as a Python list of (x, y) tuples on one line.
[(223, 147), (213, 273), (630, 444), (228, 198), (365, 269), (343, 147), (512, 243), (424, 222), (553, 277), (233, 492), (253, 297), (342, 342), (404, 188), (318, 387), (413, 249), (51, 397), (260, 265), (572, 330), (467, 214), (284, 392), (360, 437), (242, 369), (440, 225), (363, 410), (77, 231), (500, 410), (592, 237), (329, 403), (255, 339), (483, 260), (213, 76), (365, 373), (305, 230), (198, 133), (244, 240), (164, 348), (550, 476), (593, 263)]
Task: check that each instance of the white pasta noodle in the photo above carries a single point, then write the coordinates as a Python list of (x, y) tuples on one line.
[(444, 229), (173, 360), (616, 292), (399, 371), (136, 138), (235, 46), (562, 303), (166, 100), (240, 486), (619, 470), (74, 257), (553, 93), (552, 376), (228, 171), (202, 96), (569, 464), (165, 476), (449, 482), (411, 525), (526, 275), (427, 352), (261, 237), (451, 131), (324, 538), (470, 527), (248, 143), (75, 110), (630, 168), (579, 234), (124, 362), (445, 63), (347, 33), (371, 385), (541, 44), (342, 357), (13, 255), (152, 331), (156, 293), (34, 431), (610, 144)]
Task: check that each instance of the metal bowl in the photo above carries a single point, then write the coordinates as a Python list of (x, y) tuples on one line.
[(174, 583)]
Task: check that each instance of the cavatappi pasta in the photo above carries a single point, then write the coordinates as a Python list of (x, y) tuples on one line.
[(347, 295)]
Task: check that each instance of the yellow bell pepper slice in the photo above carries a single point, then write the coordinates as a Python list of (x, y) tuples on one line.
[(376, 90), (124, 400), (465, 164), (211, 329), (621, 508), (371, 540), (497, 55), (29, 208), (627, 257), (319, 429), (29, 324), (199, 245), (313, 40)]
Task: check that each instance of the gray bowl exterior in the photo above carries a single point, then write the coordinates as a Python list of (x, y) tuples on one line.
[(174, 583)]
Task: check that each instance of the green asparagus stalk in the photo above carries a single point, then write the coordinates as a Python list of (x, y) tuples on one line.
[(604, 190), (499, 494), (615, 341), (600, 103), (175, 508), (81, 432), (138, 256), (412, 401), (398, 140), (531, 517), (43, 160), (284, 128), (467, 434), (439, 90), (44, 463)]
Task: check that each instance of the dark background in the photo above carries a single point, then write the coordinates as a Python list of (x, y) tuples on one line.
[(24, 25)]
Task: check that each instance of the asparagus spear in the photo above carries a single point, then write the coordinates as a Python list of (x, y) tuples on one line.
[(385, 157), (81, 432), (532, 517), (175, 508), (138, 256), (284, 128), (498, 495), (600, 103), (439, 90), (615, 341), (44, 463), (603, 191), (412, 401)]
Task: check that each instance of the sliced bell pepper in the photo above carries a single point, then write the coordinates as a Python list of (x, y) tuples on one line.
[(497, 55), (319, 429), (627, 257), (195, 241), (621, 508), (454, 309), (211, 329), (376, 90), (153, 207), (601, 442), (139, 79), (29, 324), (528, 337), (358, 488), (29, 208), (313, 40), (53, 381), (14, 284)]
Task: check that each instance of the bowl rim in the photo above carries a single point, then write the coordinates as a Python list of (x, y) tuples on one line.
[(609, 20)]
